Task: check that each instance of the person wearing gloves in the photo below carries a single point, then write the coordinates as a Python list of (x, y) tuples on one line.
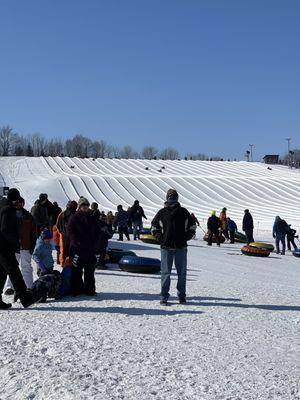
[(42, 253), (173, 226), (83, 232)]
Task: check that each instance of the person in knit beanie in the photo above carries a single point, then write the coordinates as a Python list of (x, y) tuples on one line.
[(173, 226)]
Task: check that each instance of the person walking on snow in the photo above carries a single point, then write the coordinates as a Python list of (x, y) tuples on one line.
[(280, 230), (9, 246), (172, 227), (248, 226), (27, 234), (121, 221)]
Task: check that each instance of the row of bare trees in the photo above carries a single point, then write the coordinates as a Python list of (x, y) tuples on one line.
[(35, 145)]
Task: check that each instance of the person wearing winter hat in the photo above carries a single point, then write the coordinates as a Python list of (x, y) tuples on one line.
[(62, 225), (136, 215), (213, 228), (121, 221), (42, 253), (83, 233), (9, 245), (248, 226), (27, 233), (173, 226)]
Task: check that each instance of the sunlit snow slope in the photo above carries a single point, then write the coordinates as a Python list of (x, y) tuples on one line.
[(202, 185)]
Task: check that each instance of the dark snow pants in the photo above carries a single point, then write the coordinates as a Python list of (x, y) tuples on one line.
[(231, 236), (216, 234), (87, 286), (9, 266), (123, 230), (249, 235)]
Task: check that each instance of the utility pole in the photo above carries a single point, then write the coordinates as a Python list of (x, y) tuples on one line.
[(288, 146), (251, 151)]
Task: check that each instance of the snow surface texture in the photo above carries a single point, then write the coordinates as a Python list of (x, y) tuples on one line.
[(202, 185), (237, 338)]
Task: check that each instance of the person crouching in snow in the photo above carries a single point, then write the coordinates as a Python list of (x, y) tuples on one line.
[(83, 233), (48, 286), (232, 228), (42, 253)]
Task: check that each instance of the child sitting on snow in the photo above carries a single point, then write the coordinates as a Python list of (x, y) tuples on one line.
[(48, 285), (42, 253)]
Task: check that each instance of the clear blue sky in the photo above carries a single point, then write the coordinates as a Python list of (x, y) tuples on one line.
[(206, 76)]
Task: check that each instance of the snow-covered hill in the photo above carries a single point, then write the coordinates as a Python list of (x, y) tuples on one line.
[(202, 185)]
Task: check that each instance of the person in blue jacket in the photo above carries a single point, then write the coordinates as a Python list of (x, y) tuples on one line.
[(232, 228), (42, 253), (280, 230)]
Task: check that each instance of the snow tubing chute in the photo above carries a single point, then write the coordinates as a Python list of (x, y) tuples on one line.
[(115, 255), (296, 253), (148, 238), (240, 237), (255, 252), (142, 265), (261, 245), (221, 237)]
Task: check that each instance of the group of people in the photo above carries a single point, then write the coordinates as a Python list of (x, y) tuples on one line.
[(81, 233)]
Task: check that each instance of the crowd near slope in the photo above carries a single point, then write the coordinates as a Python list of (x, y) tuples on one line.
[(202, 185)]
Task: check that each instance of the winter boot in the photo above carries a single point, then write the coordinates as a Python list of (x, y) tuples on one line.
[(4, 306)]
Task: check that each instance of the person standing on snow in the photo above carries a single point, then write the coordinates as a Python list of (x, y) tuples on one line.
[(290, 237), (42, 253), (121, 221), (9, 246), (27, 232), (172, 227), (83, 232), (62, 227), (248, 226), (280, 230), (213, 227), (223, 219), (136, 216), (232, 228)]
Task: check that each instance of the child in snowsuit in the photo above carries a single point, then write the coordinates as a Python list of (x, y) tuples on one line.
[(42, 254), (48, 285)]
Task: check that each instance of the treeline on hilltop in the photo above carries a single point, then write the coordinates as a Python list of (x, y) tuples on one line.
[(35, 145)]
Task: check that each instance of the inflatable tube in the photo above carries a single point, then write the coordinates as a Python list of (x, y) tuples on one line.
[(296, 253), (222, 238), (115, 255), (255, 252), (148, 238), (240, 237), (145, 231), (141, 265), (261, 245)]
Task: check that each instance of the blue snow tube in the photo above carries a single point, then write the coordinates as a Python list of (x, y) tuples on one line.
[(145, 231), (296, 253), (141, 265)]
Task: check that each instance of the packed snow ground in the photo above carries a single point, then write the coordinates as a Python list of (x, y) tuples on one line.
[(237, 338)]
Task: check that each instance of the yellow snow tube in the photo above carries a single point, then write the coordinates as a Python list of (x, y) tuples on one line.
[(148, 238), (261, 245)]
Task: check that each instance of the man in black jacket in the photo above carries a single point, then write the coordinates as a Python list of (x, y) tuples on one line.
[(9, 245), (214, 225), (136, 215), (248, 226), (173, 226)]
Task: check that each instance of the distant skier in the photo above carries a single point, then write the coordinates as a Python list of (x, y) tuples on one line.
[(232, 228), (280, 230), (214, 225), (248, 226)]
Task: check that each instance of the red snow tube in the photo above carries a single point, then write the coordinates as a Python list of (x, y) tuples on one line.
[(222, 238), (255, 252)]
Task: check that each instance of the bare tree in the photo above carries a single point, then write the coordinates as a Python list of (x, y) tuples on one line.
[(149, 152), (6, 140), (169, 154), (128, 152)]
